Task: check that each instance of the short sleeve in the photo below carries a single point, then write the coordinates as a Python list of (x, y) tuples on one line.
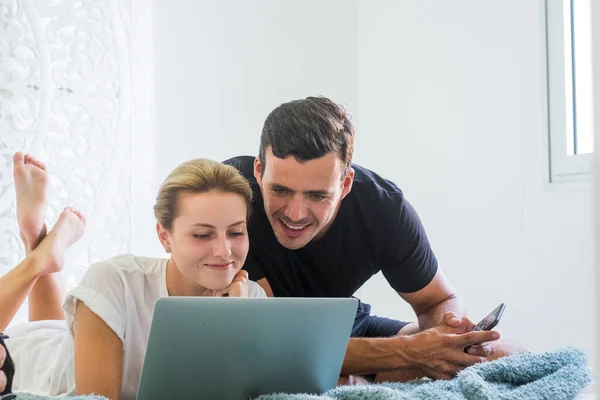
[(411, 265), (102, 290)]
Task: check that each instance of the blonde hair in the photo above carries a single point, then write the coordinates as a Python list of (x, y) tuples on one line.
[(198, 176)]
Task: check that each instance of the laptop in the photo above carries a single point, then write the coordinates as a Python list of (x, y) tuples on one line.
[(240, 348)]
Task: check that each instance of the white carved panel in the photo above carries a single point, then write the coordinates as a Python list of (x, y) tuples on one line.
[(75, 91)]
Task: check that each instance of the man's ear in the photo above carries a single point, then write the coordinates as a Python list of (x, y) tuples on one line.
[(258, 171), (164, 237), (347, 183)]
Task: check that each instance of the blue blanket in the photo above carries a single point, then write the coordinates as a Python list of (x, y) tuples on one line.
[(556, 375)]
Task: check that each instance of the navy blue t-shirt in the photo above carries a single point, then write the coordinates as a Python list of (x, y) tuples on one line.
[(376, 229)]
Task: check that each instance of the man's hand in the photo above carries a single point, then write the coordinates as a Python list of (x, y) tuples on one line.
[(3, 380), (479, 349), (439, 352), (238, 287)]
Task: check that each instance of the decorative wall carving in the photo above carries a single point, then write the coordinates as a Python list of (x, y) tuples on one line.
[(68, 77)]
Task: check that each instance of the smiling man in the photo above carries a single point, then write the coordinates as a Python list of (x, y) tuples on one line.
[(322, 226)]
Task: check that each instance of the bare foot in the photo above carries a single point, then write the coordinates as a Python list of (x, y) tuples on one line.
[(351, 380), (51, 251), (31, 180)]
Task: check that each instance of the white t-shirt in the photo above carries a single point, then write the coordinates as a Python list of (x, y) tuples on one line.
[(122, 291)]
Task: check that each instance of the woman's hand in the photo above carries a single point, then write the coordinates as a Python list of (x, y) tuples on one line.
[(237, 288)]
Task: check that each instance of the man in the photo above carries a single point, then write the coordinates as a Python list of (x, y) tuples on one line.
[(322, 226)]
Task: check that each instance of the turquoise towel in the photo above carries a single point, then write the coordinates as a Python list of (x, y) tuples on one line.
[(27, 396), (554, 376)]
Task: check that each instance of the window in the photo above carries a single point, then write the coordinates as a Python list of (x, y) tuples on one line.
[(569, 89)]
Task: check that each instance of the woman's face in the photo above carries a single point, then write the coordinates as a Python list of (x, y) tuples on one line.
[(208, 239)]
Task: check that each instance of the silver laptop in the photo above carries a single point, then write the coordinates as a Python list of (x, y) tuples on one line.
[(240, 348)]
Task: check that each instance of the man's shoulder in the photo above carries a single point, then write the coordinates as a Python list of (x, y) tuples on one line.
[(373, 187), (244, 164)]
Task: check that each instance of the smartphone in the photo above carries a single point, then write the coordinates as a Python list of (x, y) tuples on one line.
[(489, 322)]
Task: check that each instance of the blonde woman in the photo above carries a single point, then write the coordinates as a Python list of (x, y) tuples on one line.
[(201, 212)]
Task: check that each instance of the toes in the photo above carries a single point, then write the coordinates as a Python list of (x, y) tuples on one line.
[(18, 158), (76, 212), (70, 209), (22, 158), (29, 159), (38, 163), (81, 216)]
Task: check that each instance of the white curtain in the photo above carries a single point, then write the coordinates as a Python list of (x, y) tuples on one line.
[(76, 92)]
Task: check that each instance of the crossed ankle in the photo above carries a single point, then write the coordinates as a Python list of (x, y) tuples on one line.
[(32, 245), (43, 262)]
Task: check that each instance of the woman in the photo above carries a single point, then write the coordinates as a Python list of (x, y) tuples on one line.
[(201, 211)]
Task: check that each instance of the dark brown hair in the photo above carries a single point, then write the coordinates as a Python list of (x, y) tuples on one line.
[(308, 129)]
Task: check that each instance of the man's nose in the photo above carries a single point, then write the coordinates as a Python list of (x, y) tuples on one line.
[(296, 209)]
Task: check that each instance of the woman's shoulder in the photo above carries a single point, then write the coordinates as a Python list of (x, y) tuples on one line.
[(129, 263)]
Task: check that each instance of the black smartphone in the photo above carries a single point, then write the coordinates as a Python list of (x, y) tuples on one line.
[(489, 322)]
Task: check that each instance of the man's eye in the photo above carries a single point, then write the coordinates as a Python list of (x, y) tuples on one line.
[(318, 197)]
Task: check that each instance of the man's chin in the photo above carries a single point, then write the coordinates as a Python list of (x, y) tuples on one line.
[(292, 243)]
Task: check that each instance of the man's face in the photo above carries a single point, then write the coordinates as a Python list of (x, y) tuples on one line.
[(301, 198)]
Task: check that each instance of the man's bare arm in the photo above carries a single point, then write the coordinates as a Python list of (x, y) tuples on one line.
[(371, 355), (437, 351), (264, 283), (435, 300)]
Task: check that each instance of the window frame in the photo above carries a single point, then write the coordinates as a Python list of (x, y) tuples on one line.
[(561, 167)]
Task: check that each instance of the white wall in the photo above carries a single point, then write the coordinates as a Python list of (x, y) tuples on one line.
[(596, 96), (449, 98), (221, 67), (450, 109)]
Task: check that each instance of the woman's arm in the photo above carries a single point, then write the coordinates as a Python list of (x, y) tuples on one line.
[(98, 355)]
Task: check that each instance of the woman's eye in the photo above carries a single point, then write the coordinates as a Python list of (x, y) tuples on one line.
[(237, 234), (200, 236)]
